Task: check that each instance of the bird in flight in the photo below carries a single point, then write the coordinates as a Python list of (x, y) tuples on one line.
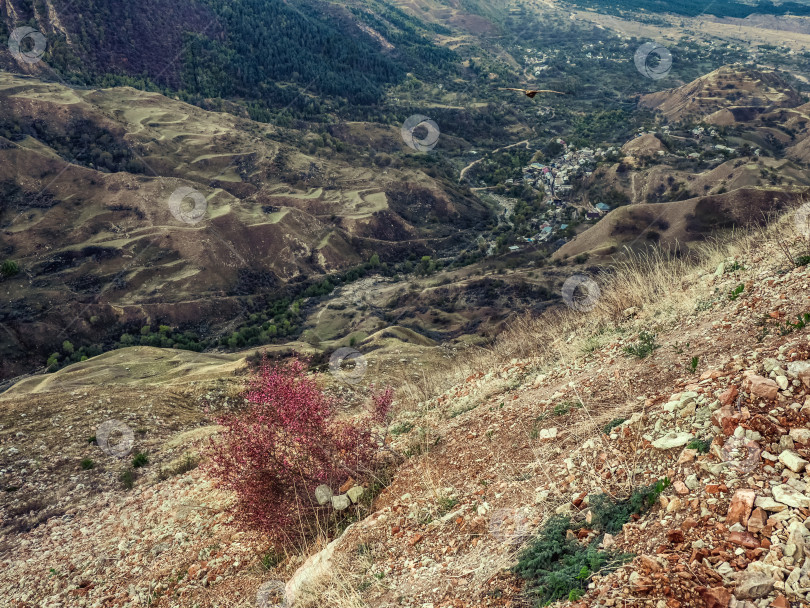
[(531, 92)]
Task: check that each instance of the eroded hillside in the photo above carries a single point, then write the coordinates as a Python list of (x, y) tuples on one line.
[(690, 371)]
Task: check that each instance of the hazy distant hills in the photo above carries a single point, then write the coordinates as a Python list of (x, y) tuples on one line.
[(695, 8)]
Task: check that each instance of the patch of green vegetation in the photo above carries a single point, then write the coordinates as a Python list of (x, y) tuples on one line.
[(644, 347), (401, 428), (140, 460), (189, 463), (127, 478), (693, 364), (557, 567), (462, 410), (562, 409), (735, 293), (87, 464), (9, 268), (612, 425), (701, 445), (271, 559), (702, 305), (446, 504), (803, 260), (802, 321)]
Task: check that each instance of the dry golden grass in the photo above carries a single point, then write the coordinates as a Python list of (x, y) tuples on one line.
[(659, 285)]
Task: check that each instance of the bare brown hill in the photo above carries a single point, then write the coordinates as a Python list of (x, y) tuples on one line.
[(723, 94), (677, 223)]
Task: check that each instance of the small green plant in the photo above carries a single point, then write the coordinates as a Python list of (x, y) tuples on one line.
[(9, 268), (401, 428), (701, 445), (735, 293), (91, 440), (802, 321), (644, 347), (556, 566), (462, 410), (610, 515), (693, 364), (575, 594), (803, 260), (562, 409), (446, 504), (734, 267), (364, 586), (87, 464), (140, 460), (702, 305), (271, 559), (127, 478), (612, 425), (189, 463)]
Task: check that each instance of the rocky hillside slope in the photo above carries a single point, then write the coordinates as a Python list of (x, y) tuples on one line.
[(556, 414)]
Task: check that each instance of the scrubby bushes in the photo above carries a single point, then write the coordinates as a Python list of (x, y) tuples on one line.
[(556, 565), (287, 442), (9, 268)]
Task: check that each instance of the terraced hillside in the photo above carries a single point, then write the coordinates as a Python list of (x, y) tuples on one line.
[(88, 178)]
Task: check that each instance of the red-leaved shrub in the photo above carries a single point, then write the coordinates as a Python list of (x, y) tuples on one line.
[(287, 442)]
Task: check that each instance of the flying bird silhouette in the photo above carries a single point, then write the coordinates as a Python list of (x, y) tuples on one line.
[(531, 92)]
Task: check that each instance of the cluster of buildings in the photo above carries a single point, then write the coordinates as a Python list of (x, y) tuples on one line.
[(555, 179)]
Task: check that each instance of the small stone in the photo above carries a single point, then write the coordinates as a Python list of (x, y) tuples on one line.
[(793, 461), (769, 504), (687, 456), (761, 387), (757, 520), (744, 539), (752, 586), (323, 494), (680, 487), (547, 434), (800, 435), (717, 597), (740, 507), (355, 493), (790, 497), (728, 396), (672, 440), (340, 502)]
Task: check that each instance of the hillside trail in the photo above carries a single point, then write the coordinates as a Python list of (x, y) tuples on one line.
[(475, 162)]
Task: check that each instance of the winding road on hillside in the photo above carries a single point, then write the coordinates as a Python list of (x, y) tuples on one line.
[(475, 162)]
